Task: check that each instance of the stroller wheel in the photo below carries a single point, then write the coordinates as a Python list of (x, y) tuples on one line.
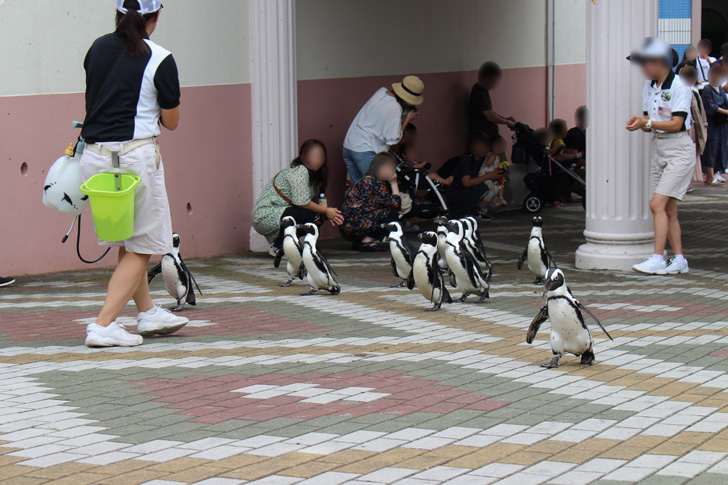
[(533, 204)]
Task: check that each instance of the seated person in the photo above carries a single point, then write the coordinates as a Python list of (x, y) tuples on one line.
[(292, 193), (468, 188), (557, 133), (406, 150), (372, 201), (575, 140), (495, 161)]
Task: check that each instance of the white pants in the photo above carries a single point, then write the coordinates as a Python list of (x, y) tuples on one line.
[(152, 218)]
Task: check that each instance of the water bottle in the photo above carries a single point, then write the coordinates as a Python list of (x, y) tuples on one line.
[(322, 200)]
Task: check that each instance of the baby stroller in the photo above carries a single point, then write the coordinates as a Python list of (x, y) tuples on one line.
[(527, 147), (427, 195)]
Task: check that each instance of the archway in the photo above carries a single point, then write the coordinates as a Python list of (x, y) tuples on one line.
[(714, 25)]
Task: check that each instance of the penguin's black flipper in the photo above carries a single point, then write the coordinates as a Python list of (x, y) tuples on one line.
[(301, 271), (522, 259), (446, 298), (411, 281), (551, 263), (471, 265), (191, 300), (394, 268), (542, 316), (278, 258), (156, 271), (327, 264), (583, 308), (190, 276), (409, 250)]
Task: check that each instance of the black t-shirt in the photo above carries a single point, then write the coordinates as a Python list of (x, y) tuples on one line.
[(575, 140), (124, 94), (467, 165), (479, 102)]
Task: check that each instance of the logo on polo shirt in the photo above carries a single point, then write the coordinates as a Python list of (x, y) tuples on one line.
[(666, 95)]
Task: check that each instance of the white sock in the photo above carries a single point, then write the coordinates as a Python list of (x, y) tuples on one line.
[(679, 258), (658, 258)]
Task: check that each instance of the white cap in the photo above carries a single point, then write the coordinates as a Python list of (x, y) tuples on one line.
[(652, 48), (145, 6)]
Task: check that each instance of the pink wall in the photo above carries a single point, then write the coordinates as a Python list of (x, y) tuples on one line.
[(327, 106), (208, 165)]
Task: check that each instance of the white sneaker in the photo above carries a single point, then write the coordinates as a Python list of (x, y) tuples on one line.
[(677, 267), (719, 177), (115, 335), (159, 321), (650, 266)]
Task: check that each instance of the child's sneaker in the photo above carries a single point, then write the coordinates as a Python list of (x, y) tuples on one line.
[(115, 335)]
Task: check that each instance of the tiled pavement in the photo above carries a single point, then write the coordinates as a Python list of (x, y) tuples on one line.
[(268, 387)]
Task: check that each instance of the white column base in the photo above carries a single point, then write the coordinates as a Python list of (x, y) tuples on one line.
[(615, 252), (258, 243)]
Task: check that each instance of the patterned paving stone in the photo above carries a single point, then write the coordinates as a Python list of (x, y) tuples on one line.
[(265, 386)]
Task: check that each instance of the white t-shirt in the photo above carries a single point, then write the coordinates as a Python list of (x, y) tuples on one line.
[(377, 126), (703, 66), (661, 103)]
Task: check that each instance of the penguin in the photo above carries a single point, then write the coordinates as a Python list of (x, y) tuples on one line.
[(403, 253), (426, 273), (569, 333), (177, 278), (539, 258), (442, 249), (476, 248), (468, 277), (293, 250), (320, 274)]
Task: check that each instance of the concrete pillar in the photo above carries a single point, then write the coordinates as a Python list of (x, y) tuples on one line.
[(619, 229), (273, 92)]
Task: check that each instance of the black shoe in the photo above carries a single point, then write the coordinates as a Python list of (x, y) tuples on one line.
[(6, 281)]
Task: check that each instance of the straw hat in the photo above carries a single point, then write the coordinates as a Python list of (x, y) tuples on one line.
[(410, 90)]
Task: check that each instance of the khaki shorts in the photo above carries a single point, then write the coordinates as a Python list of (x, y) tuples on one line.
[(672, 165), (152, 219)]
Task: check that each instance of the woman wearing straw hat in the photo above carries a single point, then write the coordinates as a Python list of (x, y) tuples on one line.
[(379, 125)]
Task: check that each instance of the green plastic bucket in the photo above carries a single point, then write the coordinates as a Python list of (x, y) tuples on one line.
[(113, 210)]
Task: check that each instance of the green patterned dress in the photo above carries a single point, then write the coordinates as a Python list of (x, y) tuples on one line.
[(267, 212)]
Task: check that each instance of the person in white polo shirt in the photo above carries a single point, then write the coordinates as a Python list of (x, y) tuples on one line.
[(380, 124), (666, 116), (132, 90)]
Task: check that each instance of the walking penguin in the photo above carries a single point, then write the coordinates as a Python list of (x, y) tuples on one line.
[(320, 274), (293, 250), (476, 247), (569, 333), (403, 253), (426, 273), (468, 277), (539, 258), (177, 278)]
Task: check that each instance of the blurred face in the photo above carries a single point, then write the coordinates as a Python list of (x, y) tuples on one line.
[(703, 50), (498, 146), (490, 82), (715, 77), (653, 68), (582, 122), (314, 158), (691, 53), (386, 171), (479, 149), (689, 79)]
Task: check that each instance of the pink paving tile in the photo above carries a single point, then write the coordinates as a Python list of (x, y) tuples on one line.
[(213, 400), (719, 353)]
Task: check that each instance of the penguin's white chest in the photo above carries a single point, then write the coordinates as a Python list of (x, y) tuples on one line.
[(567, 333), (315, 277), (461, 273), (442, 253), (421, 274), (171, 273), (400, 261), (535, 261), (293, 256)]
